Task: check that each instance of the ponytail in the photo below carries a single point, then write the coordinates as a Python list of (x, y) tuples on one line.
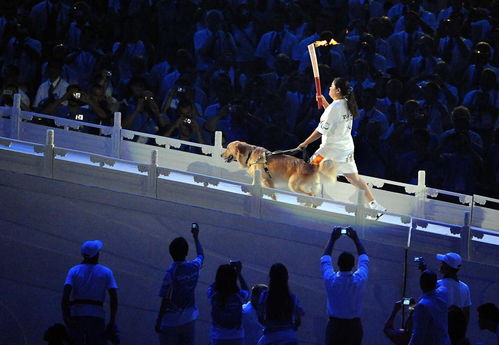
[(347, 92)]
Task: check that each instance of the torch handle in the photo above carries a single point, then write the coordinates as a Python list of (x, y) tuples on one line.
[(315, 70), (318, 91)]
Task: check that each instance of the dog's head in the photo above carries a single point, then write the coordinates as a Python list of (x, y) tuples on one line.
[(236, 150)]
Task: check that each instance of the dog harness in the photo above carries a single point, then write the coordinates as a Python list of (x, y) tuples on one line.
[(261, 160)]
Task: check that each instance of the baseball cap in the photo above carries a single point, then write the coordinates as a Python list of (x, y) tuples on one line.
[(452, 259), (91, 248)]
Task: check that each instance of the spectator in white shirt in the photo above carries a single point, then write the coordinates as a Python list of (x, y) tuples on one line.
[(51, 89), (458, 293), (345, 290)]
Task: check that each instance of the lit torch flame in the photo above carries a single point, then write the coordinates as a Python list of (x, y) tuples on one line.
[(325, 43)]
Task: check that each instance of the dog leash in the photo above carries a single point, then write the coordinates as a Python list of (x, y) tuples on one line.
[(292, 152)]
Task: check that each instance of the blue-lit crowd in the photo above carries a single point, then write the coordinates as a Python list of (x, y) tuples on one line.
[(423, 72)]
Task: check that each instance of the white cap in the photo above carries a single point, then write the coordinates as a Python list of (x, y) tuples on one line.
[(452, 259), (90, 249)]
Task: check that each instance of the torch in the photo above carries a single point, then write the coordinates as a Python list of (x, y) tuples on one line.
[(315, 66)]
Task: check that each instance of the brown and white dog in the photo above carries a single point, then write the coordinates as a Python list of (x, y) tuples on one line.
[(278, 170)]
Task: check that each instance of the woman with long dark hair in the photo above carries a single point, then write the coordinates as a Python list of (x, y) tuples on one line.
[(227, 300), (335, 131), (279, 312)]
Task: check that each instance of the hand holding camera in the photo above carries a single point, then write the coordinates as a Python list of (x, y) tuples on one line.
[(195, 230), (421, 263), (352, 233), (336, 234)]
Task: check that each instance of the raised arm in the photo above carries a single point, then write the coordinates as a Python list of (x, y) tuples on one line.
[(239, 267), (353, 235), (195, 235), (50, 108), (389, 327), (335, 235)]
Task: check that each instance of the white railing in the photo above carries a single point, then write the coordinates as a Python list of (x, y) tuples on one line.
[(116, 142)]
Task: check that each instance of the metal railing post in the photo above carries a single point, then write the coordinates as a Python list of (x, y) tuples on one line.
[(152, 175), (466, 236), (116, 136), (360, 214), (48, 154), (256, 194), (15, 118), (217, 152), (421, 194)]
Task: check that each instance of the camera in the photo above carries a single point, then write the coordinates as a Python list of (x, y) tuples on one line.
[(76, 95), (344, 231), (194, 226), (406, 301), (419, 259)]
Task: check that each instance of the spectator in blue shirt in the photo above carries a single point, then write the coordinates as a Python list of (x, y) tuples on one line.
[(429, 319), (178, 312), (79, 107), (279, 310), (227, 300), (488, 318), (345, 290)]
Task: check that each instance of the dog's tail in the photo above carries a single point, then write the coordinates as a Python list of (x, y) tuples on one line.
[(328, 170)]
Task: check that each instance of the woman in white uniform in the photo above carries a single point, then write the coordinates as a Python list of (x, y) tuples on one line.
[(335, 131)]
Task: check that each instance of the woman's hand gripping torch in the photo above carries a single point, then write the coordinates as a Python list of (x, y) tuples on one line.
[(315, 67)]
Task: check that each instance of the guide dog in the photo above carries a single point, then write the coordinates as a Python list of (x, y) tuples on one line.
[(277, 170)]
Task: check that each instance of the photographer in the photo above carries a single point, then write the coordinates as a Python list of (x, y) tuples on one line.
[(181, 92), (141, 112), (345, 290), (178, 312), (79, 107), (400, 336), (187, 126), (430, 314), (227, 301)]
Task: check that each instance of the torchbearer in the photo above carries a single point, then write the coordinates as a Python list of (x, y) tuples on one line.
[(335, 131)]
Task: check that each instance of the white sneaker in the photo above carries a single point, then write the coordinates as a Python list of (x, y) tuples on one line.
[(378, 207)]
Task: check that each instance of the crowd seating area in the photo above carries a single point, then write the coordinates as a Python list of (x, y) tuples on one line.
[(423, 72)]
